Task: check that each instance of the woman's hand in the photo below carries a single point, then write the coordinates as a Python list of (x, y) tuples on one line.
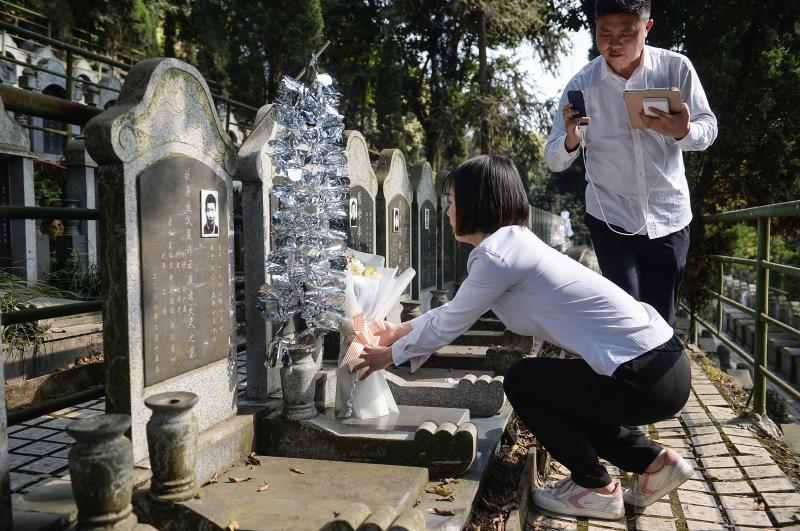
[(392, 333), (374, 359)]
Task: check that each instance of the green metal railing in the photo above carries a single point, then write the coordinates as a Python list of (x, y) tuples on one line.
[(762, 264)]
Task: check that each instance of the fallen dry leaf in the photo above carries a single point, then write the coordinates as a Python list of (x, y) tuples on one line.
[(447, 499), (447, 481), (233, 479), (253, 459), (296, 470), (336, 514), (214, 479), (233, 526), (443, 512), (442, 491), (263, 487)]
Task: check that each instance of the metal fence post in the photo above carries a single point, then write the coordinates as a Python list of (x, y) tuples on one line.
[(719, 297), (762, 287)]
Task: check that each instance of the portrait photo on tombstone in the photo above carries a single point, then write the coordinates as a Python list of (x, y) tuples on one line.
[(427, 219), (354, 212), (395, 220), (209, 214)]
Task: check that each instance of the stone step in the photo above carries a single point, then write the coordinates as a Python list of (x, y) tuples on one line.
[(60, 349), (489, 324), (480, 338)]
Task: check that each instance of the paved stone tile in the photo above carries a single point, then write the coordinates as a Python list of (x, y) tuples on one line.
[(84, 413), (696, 419), (14, 428), (675, 443), (710, 450), (778, 499), (39, 448), (13, 442), (754, 460), (45, 465), (702, 430), (622, 524), (62, 453), (763, 471), (732, 487), (17, 460), (700, 512), (752, 450), (661, 509), (61, 437), (711, 438), (774, 485), (749, 518), (686, 453), (670, 432), (746, 441), (740, 503), (690, 497), (717, 462), (786, 515), (697, 486), (694, 525), (649, 523), (738, 432), (693, 409), (666, 424), (711, 400), (725, 474), (56, 424), (35, 434), (20, 480), (34, 421)]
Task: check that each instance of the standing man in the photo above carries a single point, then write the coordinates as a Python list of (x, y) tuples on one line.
[(637, 199)]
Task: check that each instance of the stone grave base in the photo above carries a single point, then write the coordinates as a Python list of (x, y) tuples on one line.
[(439, 439), (302, 494), (481, 394)]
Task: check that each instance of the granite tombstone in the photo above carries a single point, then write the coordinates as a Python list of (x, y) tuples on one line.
[(393, 208), (164, 168), (423, 233), (363, 189), (255, 171), (447, 242)]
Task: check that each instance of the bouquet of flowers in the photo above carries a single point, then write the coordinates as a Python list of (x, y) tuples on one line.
[(371, 292)]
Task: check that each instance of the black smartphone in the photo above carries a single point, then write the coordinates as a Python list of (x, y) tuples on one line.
[(575, 97)]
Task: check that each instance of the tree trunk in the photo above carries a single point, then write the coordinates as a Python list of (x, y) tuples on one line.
[(483, 80)]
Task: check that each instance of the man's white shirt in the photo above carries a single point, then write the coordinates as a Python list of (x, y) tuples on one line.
[(638, 174)]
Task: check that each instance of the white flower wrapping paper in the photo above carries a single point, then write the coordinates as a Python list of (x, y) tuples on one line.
[(368, 299)]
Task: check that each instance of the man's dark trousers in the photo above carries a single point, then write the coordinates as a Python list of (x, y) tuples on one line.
[(650, 271)]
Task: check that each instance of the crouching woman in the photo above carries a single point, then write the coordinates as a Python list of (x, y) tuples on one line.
[(631, 370)]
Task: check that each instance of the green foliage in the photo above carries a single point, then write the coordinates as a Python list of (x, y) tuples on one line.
[(77, 279), (15, 294), (48, 183)]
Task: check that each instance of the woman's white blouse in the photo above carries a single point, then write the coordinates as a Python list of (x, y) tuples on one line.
[(537, 291)]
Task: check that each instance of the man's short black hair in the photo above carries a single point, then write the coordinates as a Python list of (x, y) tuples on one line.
[(640, 8), (211, 199), (488, 193)]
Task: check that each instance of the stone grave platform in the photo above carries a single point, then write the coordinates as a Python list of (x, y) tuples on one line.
[(479, 392), (297, 494), (440, 439)]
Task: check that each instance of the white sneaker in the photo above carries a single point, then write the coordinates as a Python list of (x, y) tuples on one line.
[(646, 489), (567, 497)]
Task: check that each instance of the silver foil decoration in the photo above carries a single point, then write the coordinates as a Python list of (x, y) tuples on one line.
[(306, 265)]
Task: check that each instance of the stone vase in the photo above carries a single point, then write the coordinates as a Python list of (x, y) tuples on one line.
[(438, 297), (101, 470), (411, 310), (298, 382), (172, 443)]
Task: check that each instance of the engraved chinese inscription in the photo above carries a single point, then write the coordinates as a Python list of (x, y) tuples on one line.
[(185, 268)]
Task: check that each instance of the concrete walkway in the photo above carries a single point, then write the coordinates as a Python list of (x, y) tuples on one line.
[(736, 485)]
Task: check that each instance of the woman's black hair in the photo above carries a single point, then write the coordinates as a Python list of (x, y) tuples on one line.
[(488, 193)]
